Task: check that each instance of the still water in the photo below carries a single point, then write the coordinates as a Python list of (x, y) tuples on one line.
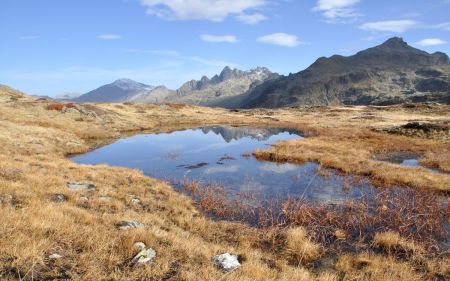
[(222, 155)]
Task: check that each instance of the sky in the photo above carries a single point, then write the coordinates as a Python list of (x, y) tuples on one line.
[(52, 47)]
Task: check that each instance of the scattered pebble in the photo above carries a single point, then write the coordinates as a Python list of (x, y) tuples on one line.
[(75, 186), (58, 198), (126, 225), (105, 198), (84, 199), (135, 201), (139, 246), (55, 256), (227, 262)]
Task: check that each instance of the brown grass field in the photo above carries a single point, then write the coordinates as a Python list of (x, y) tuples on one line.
[(37, 135)]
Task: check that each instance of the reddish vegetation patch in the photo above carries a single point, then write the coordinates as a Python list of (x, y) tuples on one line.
[(176, 105), (55, 106), (71, 105), (416, 215)]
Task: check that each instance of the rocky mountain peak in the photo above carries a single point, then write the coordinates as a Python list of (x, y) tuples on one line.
[(228, 73), (125, 83), (394, 42)]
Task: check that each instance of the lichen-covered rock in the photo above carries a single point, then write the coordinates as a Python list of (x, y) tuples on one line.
[(227, 262)]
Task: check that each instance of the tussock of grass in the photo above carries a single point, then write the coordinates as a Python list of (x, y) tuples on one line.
[(299, 247)]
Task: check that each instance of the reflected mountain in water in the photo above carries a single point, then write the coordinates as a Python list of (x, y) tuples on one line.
[(230, 133)]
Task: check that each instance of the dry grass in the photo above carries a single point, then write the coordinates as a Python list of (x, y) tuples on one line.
[(299, 247), (34, 143)]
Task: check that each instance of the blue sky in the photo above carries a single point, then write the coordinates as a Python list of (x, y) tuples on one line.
[(51, 47)]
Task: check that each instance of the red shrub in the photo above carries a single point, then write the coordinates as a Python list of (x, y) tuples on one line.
[(70, 105), (55, 106)]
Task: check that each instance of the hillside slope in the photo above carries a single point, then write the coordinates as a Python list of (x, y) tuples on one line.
[(390, 73)]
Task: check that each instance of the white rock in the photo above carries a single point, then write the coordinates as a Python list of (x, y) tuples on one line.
[(139, 246), (55, 256), (75, 186), (226, 262), (126, 225), (105, 198), (144, 256), (135, 201)]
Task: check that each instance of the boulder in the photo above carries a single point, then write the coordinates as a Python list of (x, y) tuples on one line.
[(227, 262), (81, 186)]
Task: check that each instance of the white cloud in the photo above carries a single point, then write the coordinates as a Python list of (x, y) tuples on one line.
[(219, 38), (29, 37), (337, 9), (222, 169), (109, 37), (281, 39), (176, 55), (251, 18), (431, 42), (444, 26), (398, 26), (212, 10)]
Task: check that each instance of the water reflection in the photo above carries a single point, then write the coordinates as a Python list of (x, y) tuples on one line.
[(220, 154)]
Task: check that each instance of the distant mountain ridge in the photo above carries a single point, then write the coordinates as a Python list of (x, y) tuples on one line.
[(390, 73), (224, 89), (215, 91)]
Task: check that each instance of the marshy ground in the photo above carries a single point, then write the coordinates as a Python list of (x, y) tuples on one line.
[(41, 216)]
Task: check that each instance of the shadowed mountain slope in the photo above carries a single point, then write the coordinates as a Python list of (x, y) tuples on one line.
[(390, 73)]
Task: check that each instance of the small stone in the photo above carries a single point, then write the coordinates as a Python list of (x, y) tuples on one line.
[(135, 201), (126, 225), (139, 246), (58, 198), (144, 256), (227, 262), (105, 198), (76, 186), (83, 199), (55, 256)]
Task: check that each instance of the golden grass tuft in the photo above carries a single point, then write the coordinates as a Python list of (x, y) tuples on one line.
[(393, 243), (299, 248)]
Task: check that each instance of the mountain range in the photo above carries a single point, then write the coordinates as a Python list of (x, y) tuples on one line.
[(215, 91), (390, 73)]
